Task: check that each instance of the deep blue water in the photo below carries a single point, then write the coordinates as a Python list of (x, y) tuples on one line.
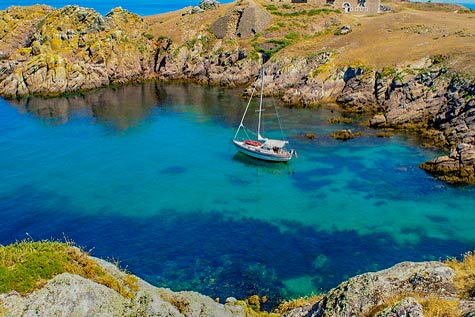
[(141, 7), (148, 175)]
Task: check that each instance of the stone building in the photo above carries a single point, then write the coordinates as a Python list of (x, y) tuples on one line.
[(350, 6)]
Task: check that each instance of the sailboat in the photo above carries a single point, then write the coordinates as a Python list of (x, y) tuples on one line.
[(259, 147)]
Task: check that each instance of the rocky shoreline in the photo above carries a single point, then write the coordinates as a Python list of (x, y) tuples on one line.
[(53, 52), (99, 288)]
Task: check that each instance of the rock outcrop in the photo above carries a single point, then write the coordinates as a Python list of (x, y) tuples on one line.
[(360, 295), (74, 296), (72, 49), (456, 168), (376, 294)]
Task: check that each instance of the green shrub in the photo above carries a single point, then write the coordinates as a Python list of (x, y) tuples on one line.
[(292, 36), (28, 265), (148, 36), (271, 7)]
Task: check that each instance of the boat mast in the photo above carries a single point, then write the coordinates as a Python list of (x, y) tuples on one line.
[(260, 106)]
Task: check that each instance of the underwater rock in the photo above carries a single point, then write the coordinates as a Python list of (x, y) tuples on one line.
[(345, 135)]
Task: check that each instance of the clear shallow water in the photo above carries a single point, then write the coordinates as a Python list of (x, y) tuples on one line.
[(148, 175), (141, 7)]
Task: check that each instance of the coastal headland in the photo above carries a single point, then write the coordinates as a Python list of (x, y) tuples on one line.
[(412, 67)]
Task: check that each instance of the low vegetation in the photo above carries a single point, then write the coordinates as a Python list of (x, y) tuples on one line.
[(432, 305), (465, 274), (28, 265), (288, 305), (339, 120)]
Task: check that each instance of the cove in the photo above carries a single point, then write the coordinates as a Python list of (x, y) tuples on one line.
[(147, 174)]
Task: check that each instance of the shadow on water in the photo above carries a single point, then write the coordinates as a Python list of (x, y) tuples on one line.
[(213, 254), (124, 107), (263, 166)]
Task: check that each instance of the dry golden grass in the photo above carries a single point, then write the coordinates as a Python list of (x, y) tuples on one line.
[(432, 305), (291, 304), (2, 310), (181, 28), (464, 274), (399, 38)]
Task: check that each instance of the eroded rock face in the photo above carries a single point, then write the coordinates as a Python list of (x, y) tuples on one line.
[(72, 49), (361, 294), (358, 93)]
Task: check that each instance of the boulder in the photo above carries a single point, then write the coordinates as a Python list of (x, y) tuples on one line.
[(456, 168), (378, 120), (209, 4), (408, 307), (359, 295)]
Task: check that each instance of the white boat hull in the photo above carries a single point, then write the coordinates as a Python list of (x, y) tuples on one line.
[(262, 154)]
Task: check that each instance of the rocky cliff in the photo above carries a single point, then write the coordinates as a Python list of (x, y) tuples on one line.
[(51, 52), (406, 67), (87, 286)]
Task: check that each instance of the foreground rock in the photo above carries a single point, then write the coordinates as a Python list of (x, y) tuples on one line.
[(406, 289), (75, 296), (408, 307), (371, 294)]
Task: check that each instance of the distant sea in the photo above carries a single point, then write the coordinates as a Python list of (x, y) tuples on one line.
[(142, 7), (468, 4)]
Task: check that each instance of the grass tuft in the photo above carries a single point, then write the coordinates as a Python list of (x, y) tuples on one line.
[(288, 305), (27, 265), (464, 278), (432, 305)]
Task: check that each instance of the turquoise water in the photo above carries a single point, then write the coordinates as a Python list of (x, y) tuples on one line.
[(466, 3), (142, 7), (148, 175)]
